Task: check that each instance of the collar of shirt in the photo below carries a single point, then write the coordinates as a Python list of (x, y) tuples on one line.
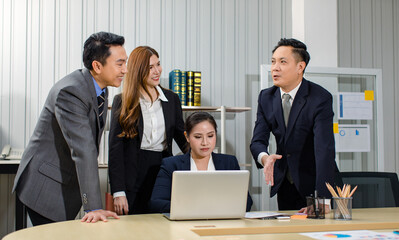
[(292, 93), (161, 95), (193, 166), (98, 89)]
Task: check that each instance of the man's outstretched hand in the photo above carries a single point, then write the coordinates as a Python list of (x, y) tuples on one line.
[(268, 167)]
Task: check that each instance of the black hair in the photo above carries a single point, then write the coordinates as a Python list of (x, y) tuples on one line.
[(96, 47), (198, 117), (299, 49)]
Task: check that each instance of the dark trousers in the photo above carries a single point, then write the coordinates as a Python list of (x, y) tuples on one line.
[(148, 168), (37, 219), (288, 197)]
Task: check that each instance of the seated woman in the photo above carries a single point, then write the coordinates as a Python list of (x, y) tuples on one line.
[(201, 136)]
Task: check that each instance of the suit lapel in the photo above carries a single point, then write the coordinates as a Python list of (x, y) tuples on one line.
[(167, 118), (140, 128), (89, 81), (92, 90), (185, 161), (217, 162), (297, 105), (278, 110)]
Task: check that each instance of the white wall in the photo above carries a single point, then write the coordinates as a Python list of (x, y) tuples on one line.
[(41, 41), (368, 37)]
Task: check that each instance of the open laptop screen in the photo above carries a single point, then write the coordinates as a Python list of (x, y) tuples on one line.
[(209, 194)]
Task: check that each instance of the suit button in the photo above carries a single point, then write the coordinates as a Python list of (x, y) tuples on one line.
[(84, 198), (288, 155)]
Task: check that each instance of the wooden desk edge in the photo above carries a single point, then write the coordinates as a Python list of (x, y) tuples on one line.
[(295, 229)]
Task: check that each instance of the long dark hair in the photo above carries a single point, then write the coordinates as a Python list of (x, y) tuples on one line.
[(138, 67)]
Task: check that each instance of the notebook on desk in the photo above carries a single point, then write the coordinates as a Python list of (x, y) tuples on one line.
[(208, 195)]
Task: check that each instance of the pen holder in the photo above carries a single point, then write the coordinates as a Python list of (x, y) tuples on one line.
[(342, 208), (315, 207)]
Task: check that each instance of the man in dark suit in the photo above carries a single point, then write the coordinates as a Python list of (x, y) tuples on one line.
[(59, 169), (299, 114)]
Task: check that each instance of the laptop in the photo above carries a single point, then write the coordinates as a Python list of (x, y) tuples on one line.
[(208, 195)]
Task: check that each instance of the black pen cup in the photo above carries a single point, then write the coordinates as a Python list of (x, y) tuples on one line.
[(315, 207)]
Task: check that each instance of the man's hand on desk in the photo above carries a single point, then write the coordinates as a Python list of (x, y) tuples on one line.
[(268, 167), (327, 209), (98, 215), (121, 206)]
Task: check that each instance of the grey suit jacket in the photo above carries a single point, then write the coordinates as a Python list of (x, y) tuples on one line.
[(59, 168)]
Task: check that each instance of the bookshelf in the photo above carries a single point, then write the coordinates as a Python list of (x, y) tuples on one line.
[(223, 110), (103, 154)]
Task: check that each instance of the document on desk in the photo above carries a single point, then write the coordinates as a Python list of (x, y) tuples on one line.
[(265, 215), (350, 235)]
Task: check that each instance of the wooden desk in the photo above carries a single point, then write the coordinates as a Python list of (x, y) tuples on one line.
[(155, 226)]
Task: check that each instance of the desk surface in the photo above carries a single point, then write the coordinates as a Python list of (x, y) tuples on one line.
[(155, 226)]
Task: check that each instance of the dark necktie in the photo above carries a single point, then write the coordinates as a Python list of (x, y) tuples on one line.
[(286, 107), (101, 100), (286, 110)]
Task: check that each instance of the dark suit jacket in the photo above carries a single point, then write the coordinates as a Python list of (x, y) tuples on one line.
[(160, 199), (59, 168), (307, 144), (124, 162)]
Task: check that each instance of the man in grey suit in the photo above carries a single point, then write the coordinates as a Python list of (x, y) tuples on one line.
[(58, 171)]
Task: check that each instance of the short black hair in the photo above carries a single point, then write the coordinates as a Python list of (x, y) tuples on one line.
[(196, 118), (299, 49), (96, 47)]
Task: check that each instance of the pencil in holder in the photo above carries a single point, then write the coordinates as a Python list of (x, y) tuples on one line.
[(342, 208)]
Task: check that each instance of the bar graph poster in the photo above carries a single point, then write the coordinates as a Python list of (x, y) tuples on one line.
[(352, 138), (353, 105)]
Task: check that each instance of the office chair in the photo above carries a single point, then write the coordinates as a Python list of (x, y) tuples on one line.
[(375, 189)]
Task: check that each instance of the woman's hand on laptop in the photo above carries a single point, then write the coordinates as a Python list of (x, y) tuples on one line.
[(121, 206)]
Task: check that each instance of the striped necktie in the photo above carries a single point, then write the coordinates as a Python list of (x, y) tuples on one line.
[(100, 101)]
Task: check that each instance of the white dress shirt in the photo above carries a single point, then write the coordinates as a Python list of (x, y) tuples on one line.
[(193, 166), (154, 133)]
